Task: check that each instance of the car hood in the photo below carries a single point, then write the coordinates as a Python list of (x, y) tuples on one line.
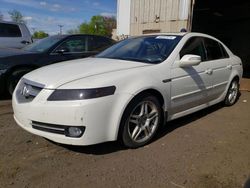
[(6, 52), (53, 76)]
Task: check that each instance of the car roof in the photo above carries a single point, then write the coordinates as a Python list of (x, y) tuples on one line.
[(170, 33), (11, 22), (70, 35)]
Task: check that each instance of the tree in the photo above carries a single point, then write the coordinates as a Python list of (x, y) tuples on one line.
[(110, 24), (16, 16), (40, 35), (98, 25), (1, 16)]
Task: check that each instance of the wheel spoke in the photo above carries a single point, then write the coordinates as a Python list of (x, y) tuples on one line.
[(152, 115), (134, 119), (136, 132), (230, 97), (147, 130), (144, 109), (234, 86)]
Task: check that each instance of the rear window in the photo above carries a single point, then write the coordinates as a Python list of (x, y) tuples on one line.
[(97, 43), (9, 30), (214, 50)]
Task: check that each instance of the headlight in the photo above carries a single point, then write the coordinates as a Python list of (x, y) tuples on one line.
[(80, 94)]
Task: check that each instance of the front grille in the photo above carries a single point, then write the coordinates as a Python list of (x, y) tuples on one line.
[(58, 129), (27, 90)]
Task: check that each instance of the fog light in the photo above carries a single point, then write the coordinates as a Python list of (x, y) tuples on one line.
[(75, 132)]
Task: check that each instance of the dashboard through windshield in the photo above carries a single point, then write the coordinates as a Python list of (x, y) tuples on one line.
[(146, 49)]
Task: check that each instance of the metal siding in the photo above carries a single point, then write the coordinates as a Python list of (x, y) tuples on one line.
[(163, 4), (123, 17), (173, 15)]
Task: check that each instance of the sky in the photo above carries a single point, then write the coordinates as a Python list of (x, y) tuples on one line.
[(46, 15)]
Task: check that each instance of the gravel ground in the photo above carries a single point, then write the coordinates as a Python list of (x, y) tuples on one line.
[(209, 149)]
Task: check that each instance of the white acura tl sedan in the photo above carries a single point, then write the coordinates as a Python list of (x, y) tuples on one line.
[(126, 92)]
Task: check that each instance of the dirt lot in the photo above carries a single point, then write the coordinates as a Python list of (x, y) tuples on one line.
[(209, 149)]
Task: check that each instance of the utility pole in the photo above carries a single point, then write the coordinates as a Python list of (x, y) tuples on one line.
[(60, 26)]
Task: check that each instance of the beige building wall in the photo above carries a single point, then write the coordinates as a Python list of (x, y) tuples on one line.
[(149, 16)]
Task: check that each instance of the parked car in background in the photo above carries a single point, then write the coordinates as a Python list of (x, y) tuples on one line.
[(127, 91), (14, 35), (15, 63)]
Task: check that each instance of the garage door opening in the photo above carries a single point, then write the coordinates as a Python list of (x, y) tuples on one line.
[(228, 20)]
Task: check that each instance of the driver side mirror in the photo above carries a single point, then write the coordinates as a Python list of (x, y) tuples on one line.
[(190, 60)]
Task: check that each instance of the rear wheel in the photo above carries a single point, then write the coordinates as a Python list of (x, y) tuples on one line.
[(140, 121), (14, 78), (233, 93)]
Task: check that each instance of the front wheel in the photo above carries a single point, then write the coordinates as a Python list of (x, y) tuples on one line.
[(233, 93), (140, 121)]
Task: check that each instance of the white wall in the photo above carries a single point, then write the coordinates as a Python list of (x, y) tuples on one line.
[(123, 17), (184, 7)]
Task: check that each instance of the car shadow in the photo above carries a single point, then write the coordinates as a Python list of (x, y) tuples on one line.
[(183, 121), (97, 149), (111, 147)]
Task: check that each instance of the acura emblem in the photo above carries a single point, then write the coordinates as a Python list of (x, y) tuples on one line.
[(25, 91)]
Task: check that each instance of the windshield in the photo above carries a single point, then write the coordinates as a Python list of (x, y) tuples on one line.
[(146, 49), (43, 44)]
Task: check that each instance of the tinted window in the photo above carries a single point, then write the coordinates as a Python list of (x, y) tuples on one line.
[(224, 52), (213, 49), (96, 43), (74, 45), (43, 44), (147, 49), (194, 46), (9, 30)]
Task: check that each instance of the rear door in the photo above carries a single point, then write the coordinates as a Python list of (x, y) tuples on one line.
[(219, 64), (190, 85)]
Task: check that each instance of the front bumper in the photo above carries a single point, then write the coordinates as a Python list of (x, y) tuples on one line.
[(99, 117)]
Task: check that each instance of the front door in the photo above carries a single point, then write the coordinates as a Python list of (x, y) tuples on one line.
[(190, 85)]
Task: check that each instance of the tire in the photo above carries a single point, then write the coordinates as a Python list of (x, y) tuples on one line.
[(140, 121), (232, 93), (14, 78)]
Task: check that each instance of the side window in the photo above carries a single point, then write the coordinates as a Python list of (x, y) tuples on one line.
[(213, 49), (73, 45), (9, 30), (194, 46), (224, 52), (96, 43)]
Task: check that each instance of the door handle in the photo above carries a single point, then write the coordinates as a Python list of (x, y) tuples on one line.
[(230, 67), (209, 71)]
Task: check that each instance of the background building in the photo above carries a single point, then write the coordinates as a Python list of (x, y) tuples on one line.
[(228, 20)]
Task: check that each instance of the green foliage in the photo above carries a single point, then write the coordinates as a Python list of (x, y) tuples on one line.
[(40, 35), (98, 25), (16, 16)]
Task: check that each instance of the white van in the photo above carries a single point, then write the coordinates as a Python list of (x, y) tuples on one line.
[(14, 35)]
